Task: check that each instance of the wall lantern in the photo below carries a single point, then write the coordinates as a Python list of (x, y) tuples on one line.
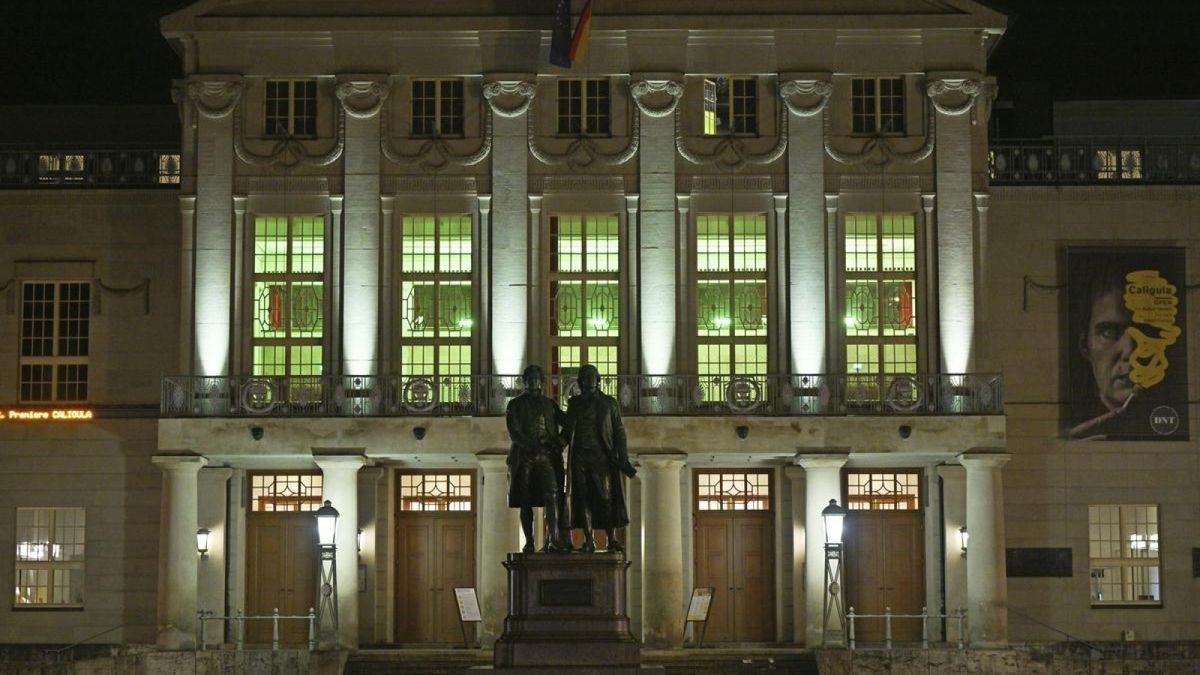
[(360, 541), (202, 541), (963, 536), (834, 517), (326, 524)]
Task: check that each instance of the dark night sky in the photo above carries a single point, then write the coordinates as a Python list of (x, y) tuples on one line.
[(110, 51)]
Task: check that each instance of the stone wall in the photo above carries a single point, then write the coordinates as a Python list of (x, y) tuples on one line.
[(1064, 658)]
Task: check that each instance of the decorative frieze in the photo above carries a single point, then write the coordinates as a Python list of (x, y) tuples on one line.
[(362, 99), (509, 98), (429, 184), (657, 89), (583, 152), (215, 99)]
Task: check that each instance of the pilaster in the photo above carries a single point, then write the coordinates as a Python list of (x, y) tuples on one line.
[(954, 516), (662, 555), (823, 481), (987, 588), (799, 553), (212, 487), (178, 560), (339, 471), (500, 537)]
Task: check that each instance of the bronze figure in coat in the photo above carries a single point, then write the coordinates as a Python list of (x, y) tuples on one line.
[(597, 458), (535, 460)]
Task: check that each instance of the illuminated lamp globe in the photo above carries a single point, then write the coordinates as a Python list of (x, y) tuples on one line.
[(834, 516), (326, 524)]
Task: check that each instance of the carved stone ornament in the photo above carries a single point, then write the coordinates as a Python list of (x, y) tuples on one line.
[(793, 89), (496, 92), (643, 89), (362, 100), (290, 151), (215, 99), (730, 151), (968, 90), (583, 152), (435, 153), (880, 150)]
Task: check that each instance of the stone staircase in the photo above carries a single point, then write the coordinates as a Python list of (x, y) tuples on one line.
[(706, 661)]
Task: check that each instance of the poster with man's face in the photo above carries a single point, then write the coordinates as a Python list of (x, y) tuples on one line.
[(1126, 344)]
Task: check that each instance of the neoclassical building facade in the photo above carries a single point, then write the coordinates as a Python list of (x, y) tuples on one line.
[(768, 228)]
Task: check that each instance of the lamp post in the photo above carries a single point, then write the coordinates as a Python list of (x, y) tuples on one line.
[(833, 630), (327, 606)]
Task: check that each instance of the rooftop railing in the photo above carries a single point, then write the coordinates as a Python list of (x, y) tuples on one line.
[(27, 169), (668, 395), (1094, 161)]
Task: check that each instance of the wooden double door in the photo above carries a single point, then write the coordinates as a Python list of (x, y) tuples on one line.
[(435, 553), (734, 556), (281, 573), (885, 567)]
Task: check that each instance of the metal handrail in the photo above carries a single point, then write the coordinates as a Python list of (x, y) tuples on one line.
[(239, 621), (959, 614), (89, 638), (1060, 631)]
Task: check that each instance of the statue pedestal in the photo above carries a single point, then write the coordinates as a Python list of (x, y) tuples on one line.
[(567, 610)]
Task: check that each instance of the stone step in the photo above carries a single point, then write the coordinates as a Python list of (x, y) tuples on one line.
[(677, 662)]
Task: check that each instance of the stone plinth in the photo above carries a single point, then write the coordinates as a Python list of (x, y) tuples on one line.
[(566, 609)]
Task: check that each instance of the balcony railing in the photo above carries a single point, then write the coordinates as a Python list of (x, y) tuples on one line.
[(27, 169), (1094, 161), (678, 395)]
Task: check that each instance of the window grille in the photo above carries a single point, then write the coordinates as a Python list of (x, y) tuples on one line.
[(436, 491), (585, 306), (883, 491), (880, 320), (1123, 547), (50, 546), (584, 107), (733, 491), (437, 107), (730, 105), (878, 105), (291, 108), (1118, 164), (285, 492), (55, 327), (731, 297), (288, 323), (168, 169)]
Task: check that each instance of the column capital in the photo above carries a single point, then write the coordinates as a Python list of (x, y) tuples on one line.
[(362, 96), (631, 203), (683, 203), (964, 91), (535, 203), (339, 462), (781, 201), (982, 201), (485, 204), (518, 91), (928, 201), (336, 203), (808, 89), (795, 473), (215, 96), (239, 204), (663, 460), (831, 203), (187, 203), (387, 204), (823, 460), (492, 460), (671, 90), (983, 460), (216, 473), (951, 472), (180, 463)]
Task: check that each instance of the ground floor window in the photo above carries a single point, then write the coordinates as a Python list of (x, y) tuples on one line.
[(438, 491), (285, 492), (883, 491), (1123, 554), (49, 557)]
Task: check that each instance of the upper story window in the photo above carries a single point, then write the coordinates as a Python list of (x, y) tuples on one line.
[(1123, 554), (49, 557), (585, 305), (55, 318), (1117, 163), (289, 302), (437, 107), (878, 105), (437, 308), (291, 108), (583, 107), (731, 298), (61, 168), (730, 105), (168, 169), (881, 301)]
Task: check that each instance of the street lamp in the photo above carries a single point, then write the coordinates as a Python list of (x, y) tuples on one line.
[(202, 541), (833, 630), (327, 589)]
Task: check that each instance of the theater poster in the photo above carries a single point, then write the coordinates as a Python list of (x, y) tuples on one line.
[(1126, 344)]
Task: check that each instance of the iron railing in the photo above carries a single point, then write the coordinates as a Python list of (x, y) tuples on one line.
[(678, 395), (1094, 161), (238, 623), (959, 616), (25, 168)]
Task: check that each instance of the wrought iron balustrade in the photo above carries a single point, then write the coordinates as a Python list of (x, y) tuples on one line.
[(1094, 161), (678, 395), (137, 167)]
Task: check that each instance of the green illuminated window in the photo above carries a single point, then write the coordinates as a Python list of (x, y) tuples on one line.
[(880, 299), (585, 301), (288, 315), (437, 316), (731, 299)]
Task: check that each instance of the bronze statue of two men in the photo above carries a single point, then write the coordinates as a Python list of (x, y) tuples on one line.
[(585, 491)]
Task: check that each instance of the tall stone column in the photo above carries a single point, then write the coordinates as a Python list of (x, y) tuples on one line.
[(362, 99), (212, 485), (510, 101), (177, 556), (500, 536), (187, 290), (216, 100), (656, 101), (823, 481), (987, 588), (799, 554), (954, 516), (953, 99), (340, 485), (662, 552), (806, 100)]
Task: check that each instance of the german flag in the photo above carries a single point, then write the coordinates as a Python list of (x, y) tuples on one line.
[(579, 39)]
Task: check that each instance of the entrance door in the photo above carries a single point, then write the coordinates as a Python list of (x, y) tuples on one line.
[(885, 553), (435, 553), (734, 554), (281, 573)]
